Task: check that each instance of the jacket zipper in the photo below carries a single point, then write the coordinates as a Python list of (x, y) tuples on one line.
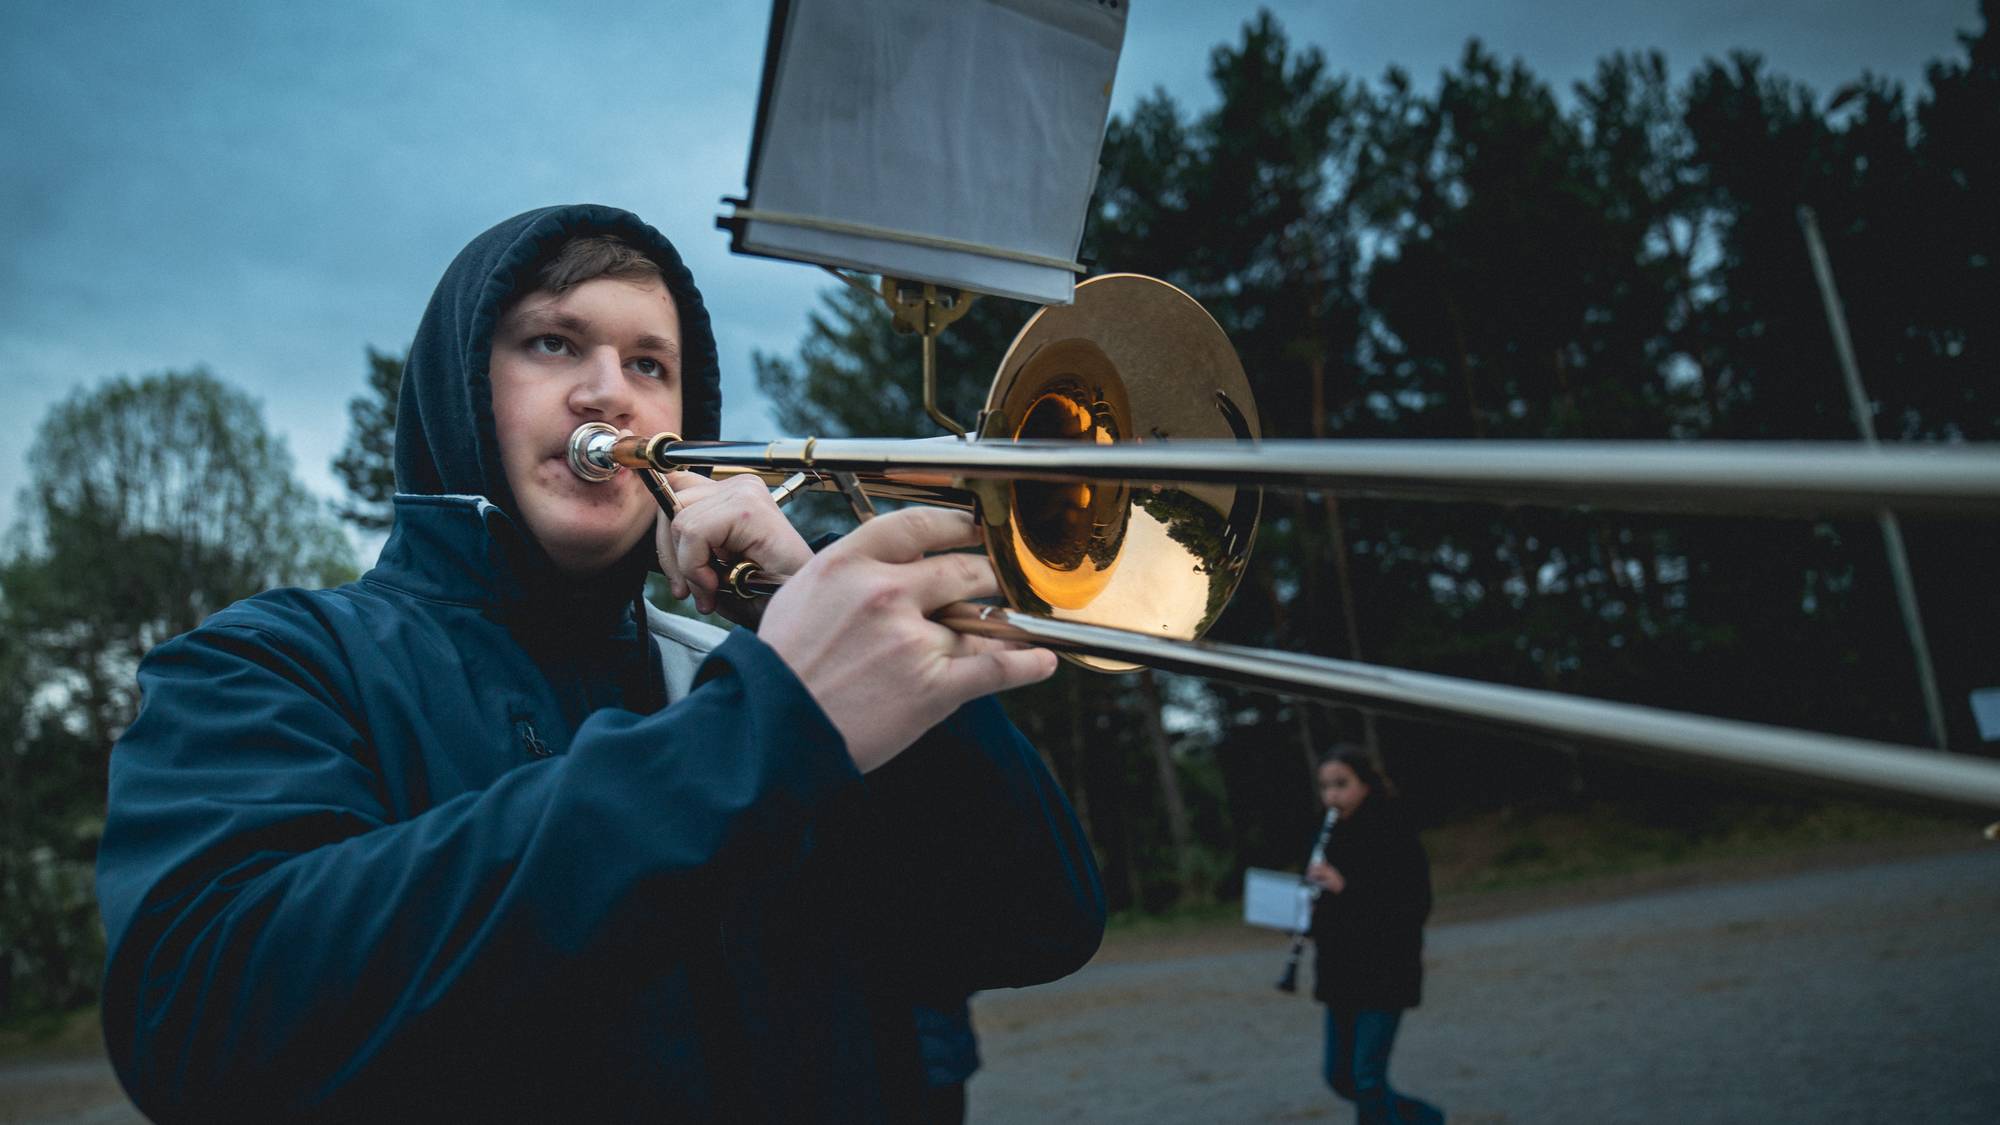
[(530, 740)]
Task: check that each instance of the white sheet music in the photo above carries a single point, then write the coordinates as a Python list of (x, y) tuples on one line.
[(976, 121), (1275, 899)]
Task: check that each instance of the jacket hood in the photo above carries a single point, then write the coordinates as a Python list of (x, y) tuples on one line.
[(446, 443)]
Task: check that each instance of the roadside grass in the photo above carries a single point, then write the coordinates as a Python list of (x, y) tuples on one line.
[(50, 1034), (1509, 850), (1523, 859)]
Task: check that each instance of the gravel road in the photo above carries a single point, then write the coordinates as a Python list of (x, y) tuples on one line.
[(1859, 995), (1869, 994)]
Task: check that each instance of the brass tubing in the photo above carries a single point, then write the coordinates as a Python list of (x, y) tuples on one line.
[(1723, 477), (597, 452), (1951, 778)]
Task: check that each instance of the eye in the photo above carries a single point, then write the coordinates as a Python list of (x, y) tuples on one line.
[(549, 344), (649, 367)]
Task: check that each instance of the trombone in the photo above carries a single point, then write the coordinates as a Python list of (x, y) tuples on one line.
[(1116, 476)]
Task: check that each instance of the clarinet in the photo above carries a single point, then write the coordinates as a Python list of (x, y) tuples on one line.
[(1288, 981)]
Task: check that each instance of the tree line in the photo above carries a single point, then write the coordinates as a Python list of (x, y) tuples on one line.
[(1488, 260), (1483, 260), (152, 503)]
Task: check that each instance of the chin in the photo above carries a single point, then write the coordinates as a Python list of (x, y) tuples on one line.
[(587, 564), (588, 546)]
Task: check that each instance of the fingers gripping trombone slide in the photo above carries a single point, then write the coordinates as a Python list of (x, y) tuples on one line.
[(589, 460), (593, 456), (860, 623)]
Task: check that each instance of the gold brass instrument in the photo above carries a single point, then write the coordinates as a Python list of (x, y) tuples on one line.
[(1069, 543), (1116, 476)]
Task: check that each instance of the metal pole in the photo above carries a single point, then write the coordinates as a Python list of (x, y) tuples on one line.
[(1892, 531)]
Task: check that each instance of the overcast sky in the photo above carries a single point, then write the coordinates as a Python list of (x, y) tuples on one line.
[(266, 189)]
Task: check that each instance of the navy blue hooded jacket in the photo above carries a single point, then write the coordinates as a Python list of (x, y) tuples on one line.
[(429, 845)]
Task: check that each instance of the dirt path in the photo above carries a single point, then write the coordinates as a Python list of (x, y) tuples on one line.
[(72, 1091), (1866, 994), (1857, 994)]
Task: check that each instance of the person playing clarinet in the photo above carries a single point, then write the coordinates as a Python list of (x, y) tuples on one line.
[(1373, 894)]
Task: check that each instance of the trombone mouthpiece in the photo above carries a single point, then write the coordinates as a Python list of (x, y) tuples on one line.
[(590, 452)]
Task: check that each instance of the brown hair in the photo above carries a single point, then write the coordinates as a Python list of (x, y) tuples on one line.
[(1366, 769), (594, 256)]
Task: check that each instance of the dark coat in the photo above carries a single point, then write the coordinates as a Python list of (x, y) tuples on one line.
[(1368, 940), (428, 847)]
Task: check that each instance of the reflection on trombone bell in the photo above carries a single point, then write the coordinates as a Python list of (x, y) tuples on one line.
[(1116, 479)]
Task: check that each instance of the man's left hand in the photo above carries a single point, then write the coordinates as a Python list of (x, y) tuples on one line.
[(730, 520)]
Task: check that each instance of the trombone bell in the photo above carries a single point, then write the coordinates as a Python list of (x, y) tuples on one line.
[(1133, 359)]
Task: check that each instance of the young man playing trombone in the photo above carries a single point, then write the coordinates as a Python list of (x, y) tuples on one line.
[(468, 839)]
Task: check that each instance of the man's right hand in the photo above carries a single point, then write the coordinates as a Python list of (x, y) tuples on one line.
[(852, 624)]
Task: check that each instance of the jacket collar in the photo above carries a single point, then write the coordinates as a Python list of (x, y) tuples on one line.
[(466, 551)]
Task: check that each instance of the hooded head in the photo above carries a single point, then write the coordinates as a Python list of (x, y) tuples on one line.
[(447, 437)]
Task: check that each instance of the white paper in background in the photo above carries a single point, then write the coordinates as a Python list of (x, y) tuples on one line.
[(1986, 712), (978, 121), (1275, 899)]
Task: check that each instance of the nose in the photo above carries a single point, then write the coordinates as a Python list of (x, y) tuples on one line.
[(600, 390)]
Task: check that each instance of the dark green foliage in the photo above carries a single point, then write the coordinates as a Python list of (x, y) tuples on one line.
[(154, 502), (367, 463), (1958, 166)]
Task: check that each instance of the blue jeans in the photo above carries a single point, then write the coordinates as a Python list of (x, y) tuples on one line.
[(1357, 1067)]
